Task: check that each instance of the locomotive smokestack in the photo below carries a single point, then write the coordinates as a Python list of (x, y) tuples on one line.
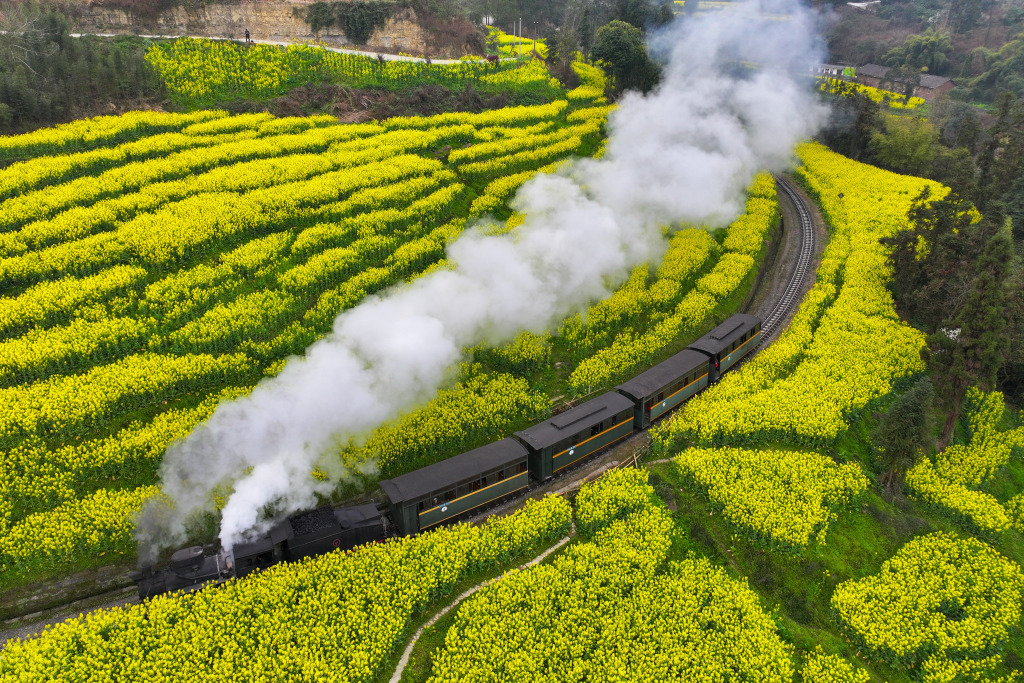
[(684, 153)]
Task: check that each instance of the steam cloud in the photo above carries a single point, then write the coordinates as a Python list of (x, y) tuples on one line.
[(684, 153)]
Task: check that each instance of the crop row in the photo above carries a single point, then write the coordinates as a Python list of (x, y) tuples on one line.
[(784, 499), (631, 328), (952, 482), (607, 609), (891, 99), (98, 131), (254, 264), (364, 598), (940, 601), (845, 346), (200, 70)]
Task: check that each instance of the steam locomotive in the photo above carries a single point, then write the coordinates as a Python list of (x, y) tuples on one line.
[(450, 489)]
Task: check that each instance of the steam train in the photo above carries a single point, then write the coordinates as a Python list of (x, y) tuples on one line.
[(450, 489)]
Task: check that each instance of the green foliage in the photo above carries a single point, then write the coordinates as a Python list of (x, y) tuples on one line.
[(964, 15), (644, 13), (907, 146), (620, 50), (903, 431), (1003, 70), (927, 51), (950, 277), (910, 11), (927, 259), (47, 77), (358, 18), (977, 352)]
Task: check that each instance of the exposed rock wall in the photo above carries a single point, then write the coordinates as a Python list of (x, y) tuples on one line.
[(277, 20)]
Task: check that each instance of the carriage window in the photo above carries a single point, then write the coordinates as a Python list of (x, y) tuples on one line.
[(501, 475), (597, 429), (450, 496), (661, 397), (483, 481), (421, 505), (476, 485), (522, 467)]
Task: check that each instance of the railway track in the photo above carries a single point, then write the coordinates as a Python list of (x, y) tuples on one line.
[(774, 323)]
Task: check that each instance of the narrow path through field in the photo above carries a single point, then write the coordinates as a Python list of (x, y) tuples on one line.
[(397, 676)]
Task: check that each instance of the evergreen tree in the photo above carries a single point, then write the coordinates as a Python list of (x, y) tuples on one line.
[(950, 279), (903, 432), (930, 260), (972, 348)]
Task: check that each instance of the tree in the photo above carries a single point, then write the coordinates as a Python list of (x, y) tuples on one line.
[(1011, 379), (926, 51), (931, 260), (643, 13), (906, 146), (854, 118), (958, 123), (973, 352), (620, 50), (965, 14), (586, 32), (951, 278), (955, 169), (903, 433), (1003, 70), (1013, 205)]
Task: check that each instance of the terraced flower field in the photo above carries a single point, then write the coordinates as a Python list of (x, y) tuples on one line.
[(154, 265), (151, 264)]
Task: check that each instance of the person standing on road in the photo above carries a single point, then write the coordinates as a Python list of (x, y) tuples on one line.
[(247, 36)]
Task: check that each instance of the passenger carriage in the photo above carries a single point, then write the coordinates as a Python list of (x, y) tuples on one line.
[(571, 436), (665, 386), (729, 342), (440, 492)]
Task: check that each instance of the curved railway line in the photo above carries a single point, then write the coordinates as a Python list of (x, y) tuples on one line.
[(792, 284), (780, 314)]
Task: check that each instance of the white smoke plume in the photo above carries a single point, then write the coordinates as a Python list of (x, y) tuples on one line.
[(684, 153)]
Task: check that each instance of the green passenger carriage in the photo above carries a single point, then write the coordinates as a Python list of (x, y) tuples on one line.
[(571, 436), (665, 386), (729, 342), (442, 491)]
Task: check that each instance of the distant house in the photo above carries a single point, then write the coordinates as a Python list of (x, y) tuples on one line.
[(833, 71), (927, 89)]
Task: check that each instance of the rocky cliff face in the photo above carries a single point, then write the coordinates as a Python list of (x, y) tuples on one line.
[(278, 20)]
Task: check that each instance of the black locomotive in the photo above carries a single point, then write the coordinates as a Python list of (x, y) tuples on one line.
[(440, 493)]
